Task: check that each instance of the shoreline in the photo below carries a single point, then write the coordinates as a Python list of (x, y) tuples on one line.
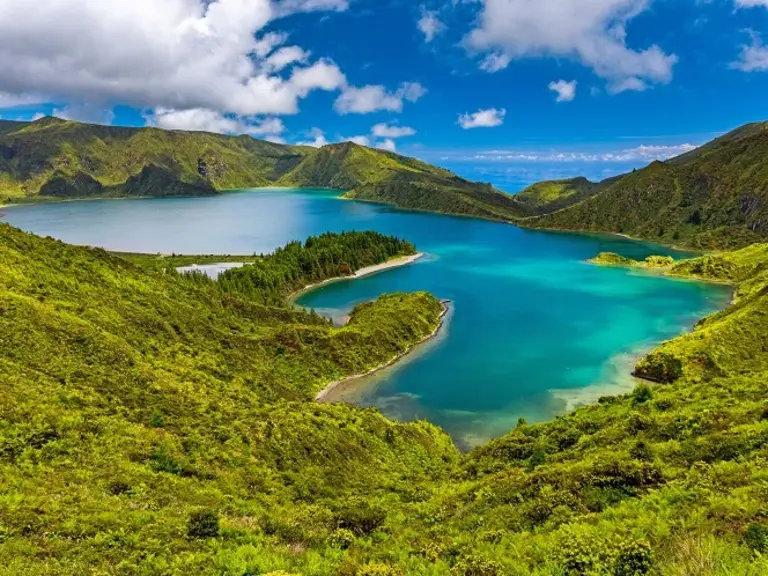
[(446, 304), (367, 271)]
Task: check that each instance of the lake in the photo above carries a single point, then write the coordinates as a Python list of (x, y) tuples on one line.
[(534, 330)]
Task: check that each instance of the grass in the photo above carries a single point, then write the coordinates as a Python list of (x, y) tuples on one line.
[(155, 423)]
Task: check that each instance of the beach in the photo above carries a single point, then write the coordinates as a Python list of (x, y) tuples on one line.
[(367, 271), (333, 385)]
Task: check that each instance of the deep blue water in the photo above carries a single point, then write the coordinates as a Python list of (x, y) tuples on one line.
[(534, 330)]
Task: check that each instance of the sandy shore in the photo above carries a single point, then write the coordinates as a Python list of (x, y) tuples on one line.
[(367, 271), (333, 385)]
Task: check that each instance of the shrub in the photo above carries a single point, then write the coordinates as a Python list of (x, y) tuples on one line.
[(361, 517), (756, 537), (641, 394), (376, 569), (660, 367), (633, 559), (156, 419), (341, 539), (203, 524), (471, 566), (641, 451)]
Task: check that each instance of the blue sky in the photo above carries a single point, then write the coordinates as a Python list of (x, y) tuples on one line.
[(501, 90)]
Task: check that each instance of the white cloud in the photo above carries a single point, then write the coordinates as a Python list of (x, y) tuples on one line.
[(387, 144), (86, 113), (170, 54), (201, 119), (388, 131), (318, 139), (592, 32), (645, 153), (754, 56), (751, 3), (430, 25), (566, 91), (495, 61), (361, 140), (288, 6), (286, 56), (483, 119), (373, 98)]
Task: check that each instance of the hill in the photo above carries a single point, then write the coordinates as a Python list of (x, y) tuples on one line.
[(713, 197), (62, 159), (381, 176), (152, 423), (553, 195), (57, 159)]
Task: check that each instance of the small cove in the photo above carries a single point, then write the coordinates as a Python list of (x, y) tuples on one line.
[(534, 330)]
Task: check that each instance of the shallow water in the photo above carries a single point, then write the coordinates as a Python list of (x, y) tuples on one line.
[(535, 330)]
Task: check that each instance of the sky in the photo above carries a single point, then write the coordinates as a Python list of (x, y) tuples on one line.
[(507, 91)]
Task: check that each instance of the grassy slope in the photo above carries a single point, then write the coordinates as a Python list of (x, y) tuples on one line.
[(380, 176), (714, 197), (552, 195), (133, 397), (58, 158)]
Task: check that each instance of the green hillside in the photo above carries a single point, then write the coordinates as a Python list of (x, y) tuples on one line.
[(713, 197), (62, 159), (152, 423), (552, 195), (380, 176), (57, 159)]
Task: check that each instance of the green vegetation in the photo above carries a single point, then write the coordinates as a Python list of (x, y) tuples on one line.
[(652, 262), (53, 159), (714, 197), (58, 159), (271, 279), (157, 423), (549, 196), (380, 176)]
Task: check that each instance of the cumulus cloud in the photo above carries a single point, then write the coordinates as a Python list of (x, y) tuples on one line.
[(86, 113), (318, 139), (373, 98), (171, 54), (495, 61), (387, 144), (751, 3), (201, 119), (392, 131), (430, 25), (592, 32), (566, 91), (754, 56), (483, 119), (361, 140), (646, 153)]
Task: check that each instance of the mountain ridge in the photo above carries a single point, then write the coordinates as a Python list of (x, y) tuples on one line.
[(59, 159), (713, 197)]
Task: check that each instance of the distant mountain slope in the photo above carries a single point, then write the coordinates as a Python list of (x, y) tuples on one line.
[(58, 158), (713, 197), (380, 176), (552, 195)]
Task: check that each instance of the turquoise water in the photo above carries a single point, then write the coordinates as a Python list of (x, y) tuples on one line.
[(534, 329)]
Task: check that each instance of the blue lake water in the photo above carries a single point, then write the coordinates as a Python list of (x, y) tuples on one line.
[(534, 330)]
